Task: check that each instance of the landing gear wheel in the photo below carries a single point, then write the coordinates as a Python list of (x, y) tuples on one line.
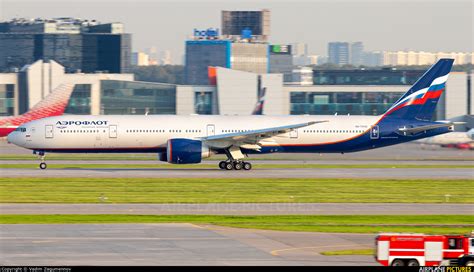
[(229, 166), (238, 165), (398, 263), (42, 165), (247, 166), (222, 164), (413, 263)]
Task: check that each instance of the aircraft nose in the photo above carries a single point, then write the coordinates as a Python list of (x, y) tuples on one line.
[(13, 138)]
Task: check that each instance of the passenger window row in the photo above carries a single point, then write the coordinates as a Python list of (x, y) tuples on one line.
[(333, 131), (80, 131), (161, 130), (234, 130)]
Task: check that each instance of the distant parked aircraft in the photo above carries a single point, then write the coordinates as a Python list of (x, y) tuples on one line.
[(461, 140)]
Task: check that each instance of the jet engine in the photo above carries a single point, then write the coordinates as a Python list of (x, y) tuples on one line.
[(184, 151)]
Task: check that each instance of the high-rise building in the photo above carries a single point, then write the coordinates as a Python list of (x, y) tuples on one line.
[(202, 54), (357, 53), (153, 55), (338, 53), (281, 60), (140, 59), (165, 57), (79, 45), (373, 58), (299, 49), (256, 24)]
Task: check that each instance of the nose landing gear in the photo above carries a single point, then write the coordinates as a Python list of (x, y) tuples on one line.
[(41, 156)]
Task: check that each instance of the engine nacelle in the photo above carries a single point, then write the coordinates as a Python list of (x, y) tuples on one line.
[(184, 151)]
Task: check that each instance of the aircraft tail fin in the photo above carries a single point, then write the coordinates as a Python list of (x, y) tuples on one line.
[(420, 101), (258, 110)]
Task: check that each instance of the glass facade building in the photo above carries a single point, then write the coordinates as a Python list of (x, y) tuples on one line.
[(366, 77), (202, 54), (87, 52), (330, 103), (16, 51), (258, 22), (338, 53), (132, 97), (80, 100), (7, 96), (203, 102)]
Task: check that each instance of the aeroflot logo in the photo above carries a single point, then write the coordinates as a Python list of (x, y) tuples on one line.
[(78, 123)]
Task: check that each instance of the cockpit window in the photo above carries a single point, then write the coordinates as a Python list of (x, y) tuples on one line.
[(20, 129)]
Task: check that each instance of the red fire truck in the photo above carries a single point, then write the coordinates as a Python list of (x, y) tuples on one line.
[(400, 249)]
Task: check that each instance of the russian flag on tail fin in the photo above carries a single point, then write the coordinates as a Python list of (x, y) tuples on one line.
[(421, 99)]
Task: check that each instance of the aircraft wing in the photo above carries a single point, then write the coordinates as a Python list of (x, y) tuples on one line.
[(424, 128), (250, 138)]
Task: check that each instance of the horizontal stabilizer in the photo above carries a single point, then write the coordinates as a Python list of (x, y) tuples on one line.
[(415, 130)]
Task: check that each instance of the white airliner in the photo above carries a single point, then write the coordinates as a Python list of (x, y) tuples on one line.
[(189, 139)]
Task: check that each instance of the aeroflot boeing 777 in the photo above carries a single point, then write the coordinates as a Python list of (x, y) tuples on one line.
[(189, 139)]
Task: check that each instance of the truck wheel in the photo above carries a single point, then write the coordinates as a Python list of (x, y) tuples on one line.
[(413, 263), (398, 262)]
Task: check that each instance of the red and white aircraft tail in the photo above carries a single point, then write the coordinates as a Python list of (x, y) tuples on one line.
[(52, 105)]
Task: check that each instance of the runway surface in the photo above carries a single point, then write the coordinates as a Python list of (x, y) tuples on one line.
[(408, 151), (172, 244), (243, 209), (374, 173), (213, 163)]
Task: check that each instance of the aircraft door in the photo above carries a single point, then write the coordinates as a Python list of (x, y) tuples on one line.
[(374, 132), (113, 131), (294, 134), (211, 130), (49, 131)]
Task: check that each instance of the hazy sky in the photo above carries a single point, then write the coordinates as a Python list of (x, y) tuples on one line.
[(381, 24)]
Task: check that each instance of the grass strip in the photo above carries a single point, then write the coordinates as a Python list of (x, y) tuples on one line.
[(429, 224), (237, 190)]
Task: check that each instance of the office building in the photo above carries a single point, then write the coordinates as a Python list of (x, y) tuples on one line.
[(79, 45), (140, 59), (302, 76), (338, 53), (281, 60), (254, 23), (399, 58), (165, 57), (242, 56), (357, 53), (299, 49)]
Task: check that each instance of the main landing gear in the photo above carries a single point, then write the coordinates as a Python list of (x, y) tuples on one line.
[(235, 165), (234, 160), (41, 156)]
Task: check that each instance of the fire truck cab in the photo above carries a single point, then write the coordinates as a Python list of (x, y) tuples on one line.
[(401, 249)]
